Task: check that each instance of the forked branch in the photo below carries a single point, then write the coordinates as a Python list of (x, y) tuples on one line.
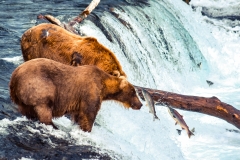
[(78, 19), (211, 106)]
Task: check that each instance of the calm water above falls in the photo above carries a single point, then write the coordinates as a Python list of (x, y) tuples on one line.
[(160, 44)]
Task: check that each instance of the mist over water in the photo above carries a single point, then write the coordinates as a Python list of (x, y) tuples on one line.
[(164, 45)]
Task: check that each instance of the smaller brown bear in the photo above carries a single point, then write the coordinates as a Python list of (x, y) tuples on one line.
[(44, 89)]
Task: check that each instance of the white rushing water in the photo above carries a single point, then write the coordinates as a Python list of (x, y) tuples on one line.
[(167, 46)]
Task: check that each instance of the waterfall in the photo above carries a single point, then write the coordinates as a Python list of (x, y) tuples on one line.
[(151, 44), (166, 45)]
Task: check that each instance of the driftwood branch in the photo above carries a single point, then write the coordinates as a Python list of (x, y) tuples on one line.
[(78, 19), (210, 106), (85, 13), (51, 19)]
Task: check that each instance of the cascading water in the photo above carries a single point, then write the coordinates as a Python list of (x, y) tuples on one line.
[(165, 45), (151, 44)]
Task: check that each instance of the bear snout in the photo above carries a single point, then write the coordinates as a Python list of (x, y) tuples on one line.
[(136, 105)]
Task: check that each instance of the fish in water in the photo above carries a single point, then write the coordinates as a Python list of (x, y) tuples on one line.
[(150, 103), (179, 120)]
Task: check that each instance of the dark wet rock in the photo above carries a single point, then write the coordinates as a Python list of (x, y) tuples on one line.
[(220, 13), (25, 139)]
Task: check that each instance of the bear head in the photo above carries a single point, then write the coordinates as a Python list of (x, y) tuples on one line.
[(127, 95)]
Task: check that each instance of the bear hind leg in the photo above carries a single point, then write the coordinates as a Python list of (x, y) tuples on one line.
[(44, 114), (28, 111)]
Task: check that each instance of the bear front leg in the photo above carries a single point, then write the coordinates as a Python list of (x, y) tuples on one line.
[(86, 121), (76, 59), (87, 116)]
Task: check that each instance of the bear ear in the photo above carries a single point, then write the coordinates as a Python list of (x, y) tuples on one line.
[(123, 82), (116, 73)]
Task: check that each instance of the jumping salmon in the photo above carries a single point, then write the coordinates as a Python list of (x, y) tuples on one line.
[(150, 103), (179, 120)]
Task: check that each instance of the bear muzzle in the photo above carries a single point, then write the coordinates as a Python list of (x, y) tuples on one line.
[(136, 105)]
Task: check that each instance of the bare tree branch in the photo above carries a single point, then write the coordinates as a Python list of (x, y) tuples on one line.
[(51, 19), (85, 13), (78, 19), (210, 106)]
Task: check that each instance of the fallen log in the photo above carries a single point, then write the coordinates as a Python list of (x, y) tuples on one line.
[(211, 106)]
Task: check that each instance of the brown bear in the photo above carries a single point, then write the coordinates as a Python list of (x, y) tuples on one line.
[(54, 42), (44, 89)]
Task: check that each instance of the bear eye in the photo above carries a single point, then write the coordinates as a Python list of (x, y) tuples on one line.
[(132, 92)]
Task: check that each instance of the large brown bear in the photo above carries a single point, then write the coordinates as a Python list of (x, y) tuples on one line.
[(53, 42), (44, 89)]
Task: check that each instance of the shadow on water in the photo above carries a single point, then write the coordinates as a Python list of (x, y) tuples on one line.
[(16, 18)]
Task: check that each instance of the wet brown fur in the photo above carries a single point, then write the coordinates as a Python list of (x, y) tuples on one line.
[(44, 89), (53, 42)]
